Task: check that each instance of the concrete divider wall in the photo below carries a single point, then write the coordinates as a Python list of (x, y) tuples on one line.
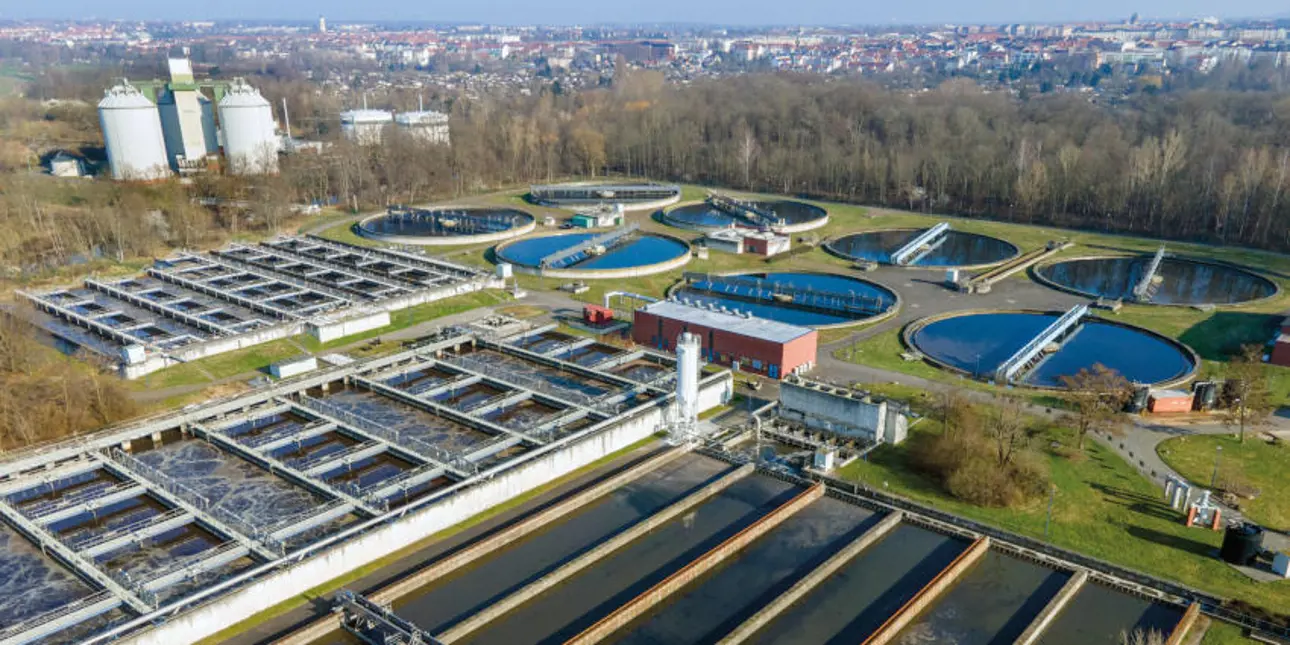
[(474, 551), (637, 606), (1184, 625), (1054, 607), (811, 580), (596, 554), (929, 593), (277, 586)]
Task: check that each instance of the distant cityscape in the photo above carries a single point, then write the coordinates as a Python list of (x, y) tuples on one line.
[(467, 57)]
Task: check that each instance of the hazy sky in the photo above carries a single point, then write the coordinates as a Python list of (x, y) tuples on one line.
[(621, 11)]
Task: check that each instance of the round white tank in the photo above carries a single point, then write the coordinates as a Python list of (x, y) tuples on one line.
[(250, 144), (365, 127), (131, 126)]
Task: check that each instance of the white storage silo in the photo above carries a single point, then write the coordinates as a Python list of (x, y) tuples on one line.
[(250, 145), (365, 127), (132, 133), (689, 350)]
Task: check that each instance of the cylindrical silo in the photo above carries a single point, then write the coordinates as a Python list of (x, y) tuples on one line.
[(688, 350), (132, 133), (250, 144)]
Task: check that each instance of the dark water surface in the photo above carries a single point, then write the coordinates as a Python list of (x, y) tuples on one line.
[(826, 299), (1183, 281), (959, 248)]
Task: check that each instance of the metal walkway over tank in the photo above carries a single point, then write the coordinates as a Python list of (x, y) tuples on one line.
[(758, 290), (1146, 288), (746, 210), (373, 623), (921, 245), (1025, 357), (604, 239)]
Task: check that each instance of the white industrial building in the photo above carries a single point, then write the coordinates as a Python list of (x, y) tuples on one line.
[(179, 132), (843, 412)]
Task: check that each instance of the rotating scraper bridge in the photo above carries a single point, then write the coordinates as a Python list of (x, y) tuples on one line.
[(120, 530)]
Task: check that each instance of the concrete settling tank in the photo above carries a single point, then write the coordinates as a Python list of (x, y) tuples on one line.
[(633, 196), (979, 344), (810, 299), (1175, 280), (619, 253), (781, 215), (446, 225), (951, 249)]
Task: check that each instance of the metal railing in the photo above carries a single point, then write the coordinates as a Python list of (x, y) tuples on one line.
[(1021, 357), (338, 457), (128, 529), (182, 491), (604, 239), (413, 444), (303, 517), (521, 379), (254, 443), (68, 609), (193, 561), (45, 509)]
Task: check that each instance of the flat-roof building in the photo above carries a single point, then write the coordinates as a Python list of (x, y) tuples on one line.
[(729, 337)]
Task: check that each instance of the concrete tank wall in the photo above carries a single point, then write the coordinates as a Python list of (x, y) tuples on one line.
[(278, 586)]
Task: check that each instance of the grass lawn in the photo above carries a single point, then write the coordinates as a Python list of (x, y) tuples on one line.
[(1257, 462), (1220, 633), (220, 366), (261, 356), (332, 585), (1103, 508)]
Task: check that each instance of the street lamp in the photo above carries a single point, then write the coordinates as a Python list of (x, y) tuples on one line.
[(1213, 479)]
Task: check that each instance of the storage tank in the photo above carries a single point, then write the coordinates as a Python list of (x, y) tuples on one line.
[(250, 145), (1242, 543), (131, 126), (424, 125), (688, 350), (365, 127)]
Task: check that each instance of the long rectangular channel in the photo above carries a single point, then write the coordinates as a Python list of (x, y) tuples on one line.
[(1099, 614), (856, 600), (450, 600), (567, 610), (992, 603), (724, 598)]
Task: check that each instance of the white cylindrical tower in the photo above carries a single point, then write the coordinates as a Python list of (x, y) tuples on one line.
[(250, 144), (131, 126), (689, 350)]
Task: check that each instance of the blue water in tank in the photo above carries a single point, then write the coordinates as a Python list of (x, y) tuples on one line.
[(638, 250), (959, 248), (824, 295), (979, 343), (1184, 282), (703, 215)]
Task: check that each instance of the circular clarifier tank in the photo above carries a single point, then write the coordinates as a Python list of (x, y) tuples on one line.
[(978, 343), (1178, 281), (591, 255), (959, 249), (446, 225), (808, 299), (793, 216)]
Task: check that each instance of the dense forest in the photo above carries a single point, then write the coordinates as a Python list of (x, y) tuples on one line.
[(1202, 165)]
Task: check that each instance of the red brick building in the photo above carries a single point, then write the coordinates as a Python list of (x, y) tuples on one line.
[(1281, 344), (767, 347)]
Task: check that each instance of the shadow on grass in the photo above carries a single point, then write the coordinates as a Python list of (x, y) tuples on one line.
[(1178, 542), (1221, 335), (1136, 502)]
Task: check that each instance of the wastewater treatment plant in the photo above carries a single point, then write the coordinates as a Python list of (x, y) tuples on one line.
[(737, 526), (446, 225)]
